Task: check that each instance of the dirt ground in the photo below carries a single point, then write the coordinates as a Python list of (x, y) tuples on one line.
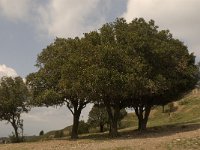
[(154, 139)]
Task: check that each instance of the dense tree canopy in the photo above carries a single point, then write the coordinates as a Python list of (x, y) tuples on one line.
[(14, 100), (121, 65), (140, 66), (62, 77), (171, 69)]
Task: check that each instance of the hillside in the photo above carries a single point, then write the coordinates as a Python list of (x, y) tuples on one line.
[(185, 111)]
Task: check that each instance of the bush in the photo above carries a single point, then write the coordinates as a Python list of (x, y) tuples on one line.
[(171, 107), (83, 127), (59, 134), (13, 138), (183, 102), (41, 133)]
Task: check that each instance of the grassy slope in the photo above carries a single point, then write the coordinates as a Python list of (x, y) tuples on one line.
[(187, 112)]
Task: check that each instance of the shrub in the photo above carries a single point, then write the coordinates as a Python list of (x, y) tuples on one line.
[(59, 134), (183, 102), (83, 127), (13, 139), (41, 133)]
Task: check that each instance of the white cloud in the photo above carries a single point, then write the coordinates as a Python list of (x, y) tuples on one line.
[(61, 18), (15, 9), (68, 18), (181, 17), (6, 71)]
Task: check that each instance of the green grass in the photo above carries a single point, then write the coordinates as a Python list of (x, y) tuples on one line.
[(187, 112)]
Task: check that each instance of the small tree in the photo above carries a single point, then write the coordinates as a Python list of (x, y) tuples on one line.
[(98, 116), (41, 133), (59, 134), (14, 98)]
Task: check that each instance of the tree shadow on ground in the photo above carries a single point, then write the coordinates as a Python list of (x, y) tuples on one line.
[(152, 132)]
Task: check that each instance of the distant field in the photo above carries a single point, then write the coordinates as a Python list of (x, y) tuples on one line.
[(179, 129)]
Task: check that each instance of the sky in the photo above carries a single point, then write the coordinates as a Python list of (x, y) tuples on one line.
[(27, 27)]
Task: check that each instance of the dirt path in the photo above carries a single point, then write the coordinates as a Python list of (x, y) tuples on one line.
[(149, 141)]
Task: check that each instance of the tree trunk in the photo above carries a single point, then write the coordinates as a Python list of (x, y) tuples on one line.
[(143, 114), (114, 128), (101, 127), (163, 108), (113, 117), (110, 122), (142, 124), (16, 132), (76, 116)]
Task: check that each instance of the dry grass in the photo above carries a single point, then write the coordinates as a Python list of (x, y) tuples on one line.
[(159, 138)]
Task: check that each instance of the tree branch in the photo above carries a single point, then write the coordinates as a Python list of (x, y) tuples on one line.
[(68, 106)]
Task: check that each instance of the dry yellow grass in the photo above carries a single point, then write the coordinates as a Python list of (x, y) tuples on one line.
[(154, 140)]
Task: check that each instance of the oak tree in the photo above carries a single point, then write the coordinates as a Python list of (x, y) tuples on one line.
[(62, 77)]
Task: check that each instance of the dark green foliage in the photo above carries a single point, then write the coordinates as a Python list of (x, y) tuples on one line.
[(98, 117), (14, 100), (123, 65), (41, 133), (139, 66)]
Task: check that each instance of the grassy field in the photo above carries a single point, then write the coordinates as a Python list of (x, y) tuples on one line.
[(179, 129)]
